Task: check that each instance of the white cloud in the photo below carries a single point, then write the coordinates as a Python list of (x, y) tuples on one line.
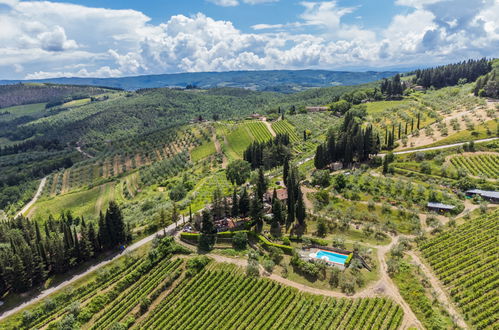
[(44, 39)]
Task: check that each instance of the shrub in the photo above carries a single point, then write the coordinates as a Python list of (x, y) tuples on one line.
[(196, 264), (240, 240)]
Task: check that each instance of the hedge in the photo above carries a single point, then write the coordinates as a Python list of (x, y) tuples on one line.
[(286, 249), (348, 259)]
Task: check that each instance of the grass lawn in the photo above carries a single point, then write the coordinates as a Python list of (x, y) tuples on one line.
[(85, 203), (203, 151), (76, 103), (22, 110), (379, 106), (238, 140)]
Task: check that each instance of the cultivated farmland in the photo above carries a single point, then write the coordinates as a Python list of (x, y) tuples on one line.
[(465, 260), (486, 165)]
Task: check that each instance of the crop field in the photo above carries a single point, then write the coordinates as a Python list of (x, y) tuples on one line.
[(224, 299), (87, 202), (203, 151), (76, 103), (486, 165), (259, 131), (284, 127), (465, 260), (379, 106), (238, 140), (21, 110), (203, 191)]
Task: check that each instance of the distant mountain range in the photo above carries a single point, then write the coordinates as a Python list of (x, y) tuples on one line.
[(284, 81)]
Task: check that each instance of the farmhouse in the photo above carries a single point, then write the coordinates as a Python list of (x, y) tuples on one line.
[(491, 196), (439, 207), (282, 195), (316, 109), (255, 116)]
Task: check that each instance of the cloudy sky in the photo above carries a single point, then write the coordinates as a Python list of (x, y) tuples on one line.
[(41, 39)]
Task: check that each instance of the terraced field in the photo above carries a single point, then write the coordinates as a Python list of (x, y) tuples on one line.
[(223, 299), (465, 260), (284, 127), (486, 165), (259, 131)]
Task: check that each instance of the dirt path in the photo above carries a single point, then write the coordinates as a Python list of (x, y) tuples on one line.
[(218, 148), (442, 297), (269, 126), (440, 147), (78, 148), (34, 199), (384, 286)]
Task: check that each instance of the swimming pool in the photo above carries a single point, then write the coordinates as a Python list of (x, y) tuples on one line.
[(330, 256)]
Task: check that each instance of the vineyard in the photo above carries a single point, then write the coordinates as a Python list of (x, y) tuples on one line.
[(223, 299), (465, 260), (486, 165), (259, 131), (284, 127), (125, 156)]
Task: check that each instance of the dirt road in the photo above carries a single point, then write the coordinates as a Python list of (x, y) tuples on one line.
[(441, 296), (35, 198)]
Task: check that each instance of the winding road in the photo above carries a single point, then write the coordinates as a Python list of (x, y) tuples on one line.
[(34, 199)]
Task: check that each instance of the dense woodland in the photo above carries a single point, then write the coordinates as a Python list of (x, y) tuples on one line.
[(268, 154), (31, 251), (452, 74), (488, 84), (18, 94)]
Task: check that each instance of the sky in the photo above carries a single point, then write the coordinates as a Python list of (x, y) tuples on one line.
[(113, 38)]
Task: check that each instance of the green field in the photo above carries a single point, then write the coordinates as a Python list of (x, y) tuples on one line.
[(87, 203), (284, 127), (203, 151), (22, 110), (238, 140), (465, 261), (379, 106), (486, 165), (259, 131), (223, 299), (76, 103)]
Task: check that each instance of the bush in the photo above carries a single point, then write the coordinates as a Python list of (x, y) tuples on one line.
[(240, 240), (196, 264), (268, 265)]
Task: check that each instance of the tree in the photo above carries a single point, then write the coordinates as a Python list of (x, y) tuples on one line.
[(116, 225), (244, 203), (340, 182), (238, 171), (301, 211), (321, 228), (261, 185), (334, 279), (235, 204), (240, 240), (285, 170), (208, 231), (162, 221), (256, 212), (175, 214)]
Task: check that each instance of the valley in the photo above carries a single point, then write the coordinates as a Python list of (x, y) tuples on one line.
[(205, 208)]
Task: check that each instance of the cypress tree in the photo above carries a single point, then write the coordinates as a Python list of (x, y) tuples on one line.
[(285, 169), (301, 212), (261, 185), (235, 204), (244, 203)]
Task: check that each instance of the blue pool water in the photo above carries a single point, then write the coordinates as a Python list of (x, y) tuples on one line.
[(331, 256)]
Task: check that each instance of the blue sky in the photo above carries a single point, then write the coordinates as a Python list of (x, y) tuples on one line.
[(90, 38)]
